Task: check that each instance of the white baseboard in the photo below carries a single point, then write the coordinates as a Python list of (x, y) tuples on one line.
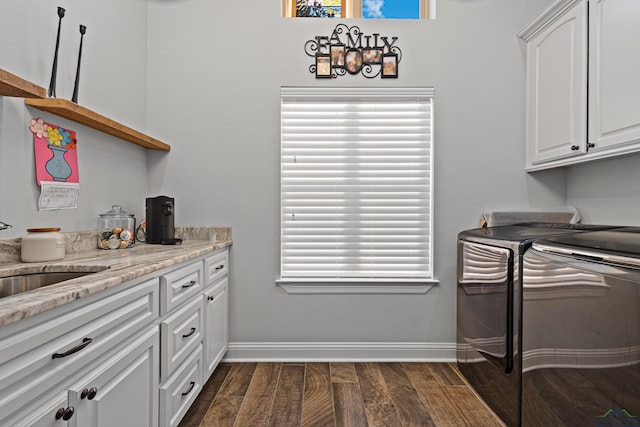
[(340, 352)]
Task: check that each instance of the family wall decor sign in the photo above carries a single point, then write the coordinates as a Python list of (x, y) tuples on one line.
[(348, 50)]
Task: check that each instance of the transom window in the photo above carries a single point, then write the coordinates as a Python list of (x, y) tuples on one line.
[(356, 184), (367, 9), (319, 8)]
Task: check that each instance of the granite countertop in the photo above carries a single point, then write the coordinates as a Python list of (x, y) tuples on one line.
[(113, 267)]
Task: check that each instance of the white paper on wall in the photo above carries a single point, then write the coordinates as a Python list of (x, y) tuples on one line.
[(58, 195)]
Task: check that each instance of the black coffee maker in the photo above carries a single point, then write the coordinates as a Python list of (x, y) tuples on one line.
[(160, 221)]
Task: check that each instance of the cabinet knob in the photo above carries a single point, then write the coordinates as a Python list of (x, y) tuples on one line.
[(65, 413), (88, 393), (211, 297), (92, 393), (591, 145), (68, 413), (575, 147)]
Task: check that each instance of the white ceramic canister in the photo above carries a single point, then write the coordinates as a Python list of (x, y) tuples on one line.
[(42, 244)]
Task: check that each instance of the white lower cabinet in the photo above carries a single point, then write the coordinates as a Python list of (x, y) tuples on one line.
[(194, 334), (136, 355), (120, 391), (44, 355), (110, 345)]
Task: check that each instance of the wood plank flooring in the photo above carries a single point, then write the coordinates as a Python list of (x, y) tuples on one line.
[(336, 395)]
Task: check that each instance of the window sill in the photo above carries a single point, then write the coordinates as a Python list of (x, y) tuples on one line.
[(318, 286)]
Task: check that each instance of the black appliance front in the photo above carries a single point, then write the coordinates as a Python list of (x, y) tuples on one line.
[(486, 327), (485, 286), (581, 330), (489, 309), (160, 220)]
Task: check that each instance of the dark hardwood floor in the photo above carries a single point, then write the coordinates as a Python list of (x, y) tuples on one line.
[(338, 394)]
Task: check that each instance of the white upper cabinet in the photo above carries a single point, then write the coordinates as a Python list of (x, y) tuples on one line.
[(557, 83), (574, 116), (614, 64)]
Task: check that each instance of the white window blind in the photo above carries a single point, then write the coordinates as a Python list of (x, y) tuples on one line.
[(356, 183)]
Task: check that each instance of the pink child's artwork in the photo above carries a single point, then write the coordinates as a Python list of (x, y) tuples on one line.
[(55, 151)]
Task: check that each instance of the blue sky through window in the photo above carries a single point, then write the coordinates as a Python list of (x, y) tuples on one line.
[(394, 9)]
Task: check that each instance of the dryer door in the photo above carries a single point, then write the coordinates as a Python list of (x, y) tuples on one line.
[(485, 306)]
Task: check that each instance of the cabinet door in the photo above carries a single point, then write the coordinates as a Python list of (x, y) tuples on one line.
[(122, 391), (216, 300), (614, 79), (557, 87)]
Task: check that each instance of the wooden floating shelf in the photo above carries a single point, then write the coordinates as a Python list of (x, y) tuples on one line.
[(72, 111), (12, 85), (36, 96)]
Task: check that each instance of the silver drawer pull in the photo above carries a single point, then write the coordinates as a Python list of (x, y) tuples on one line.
[(191, 332), (190, 388), (85, 342), (190, 284), (220, 267)]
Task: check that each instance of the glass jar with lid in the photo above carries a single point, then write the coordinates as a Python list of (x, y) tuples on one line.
[(116, 229)]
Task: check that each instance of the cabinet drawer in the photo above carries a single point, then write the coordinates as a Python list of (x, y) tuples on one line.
[(178, 286), (45, 355), (181, 390), (180, 333), (216, 266)]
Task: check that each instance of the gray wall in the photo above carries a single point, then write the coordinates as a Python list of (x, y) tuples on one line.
[(112, 83), (205, 77), (606, 191), (215, 70)]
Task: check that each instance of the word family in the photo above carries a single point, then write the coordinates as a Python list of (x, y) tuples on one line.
[(348, 50)]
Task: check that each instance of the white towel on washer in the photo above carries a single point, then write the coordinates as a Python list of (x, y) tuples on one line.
[(559, 215)]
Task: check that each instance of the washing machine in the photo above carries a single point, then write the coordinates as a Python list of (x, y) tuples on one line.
[(581, 330)]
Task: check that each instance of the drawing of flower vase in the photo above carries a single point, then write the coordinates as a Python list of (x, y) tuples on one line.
[(57, 166), (59, 140)]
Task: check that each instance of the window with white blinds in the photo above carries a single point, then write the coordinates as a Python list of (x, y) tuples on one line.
[(356, 183)]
